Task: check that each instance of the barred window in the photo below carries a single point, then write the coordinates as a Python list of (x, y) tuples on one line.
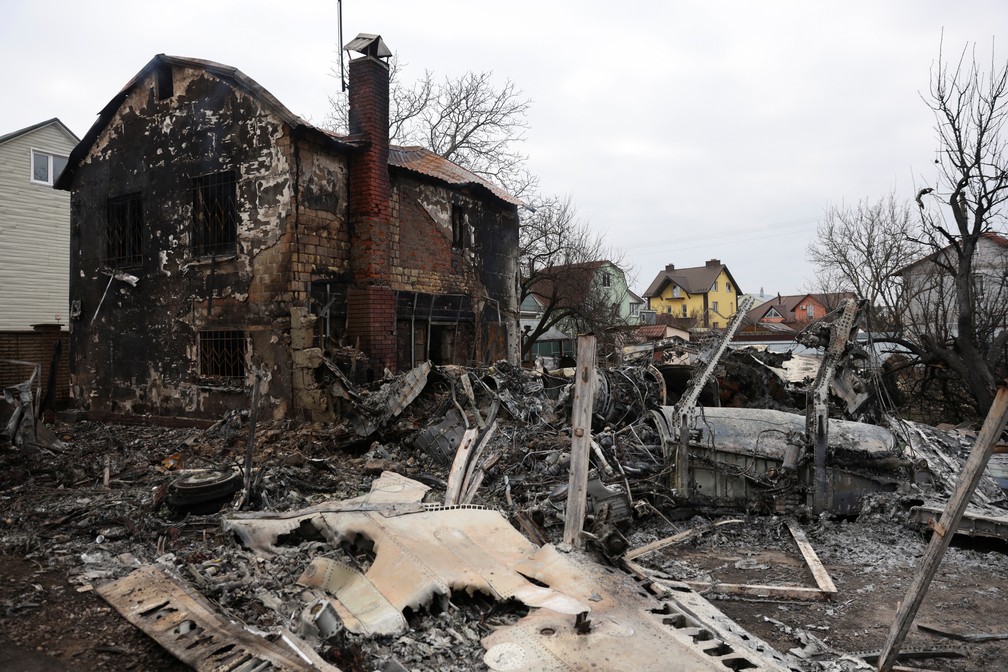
[(123, 227), (222, 354), (215, 211)]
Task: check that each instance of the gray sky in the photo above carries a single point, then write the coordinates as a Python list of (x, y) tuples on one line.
[(682, 130)]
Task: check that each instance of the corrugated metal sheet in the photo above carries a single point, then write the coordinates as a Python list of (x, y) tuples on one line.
[(426, 162)]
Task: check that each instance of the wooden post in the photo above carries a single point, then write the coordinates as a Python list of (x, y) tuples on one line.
[(946, 527), (246, 495), (581, 415)]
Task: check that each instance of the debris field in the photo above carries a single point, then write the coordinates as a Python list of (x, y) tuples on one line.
[(427, 532)]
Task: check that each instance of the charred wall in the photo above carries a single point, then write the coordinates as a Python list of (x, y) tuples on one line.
[(454, 265), (145, 349)]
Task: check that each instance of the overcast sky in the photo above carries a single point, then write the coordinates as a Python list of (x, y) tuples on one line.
[(683, 131)]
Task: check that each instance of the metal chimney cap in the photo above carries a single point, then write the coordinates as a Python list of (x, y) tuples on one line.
[(369, 45)]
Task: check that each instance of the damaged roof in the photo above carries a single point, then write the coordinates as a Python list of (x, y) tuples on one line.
[(228, 73), (426, 162), (414, 159)]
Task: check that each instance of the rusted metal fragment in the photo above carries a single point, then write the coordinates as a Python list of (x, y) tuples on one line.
[(630, 630), (186, 624)]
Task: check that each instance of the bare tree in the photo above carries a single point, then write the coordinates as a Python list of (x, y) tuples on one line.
[(969, 104), (947, 309), (861, 249), (469, 120), (558, 256)]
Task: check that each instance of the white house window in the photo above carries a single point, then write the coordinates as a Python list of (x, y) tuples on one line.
[(634, 309), (606, 280), (727, 286), (45, 167), (811, 311), (676, 293)]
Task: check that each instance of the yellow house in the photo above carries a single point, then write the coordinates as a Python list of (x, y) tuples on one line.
[(707, 294)]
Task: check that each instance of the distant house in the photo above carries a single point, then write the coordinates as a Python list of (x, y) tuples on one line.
[(796, 309), (598, 287), (34, 226), (221, 242), (708, 294), (636, 305), (932, 292), (34, 256)]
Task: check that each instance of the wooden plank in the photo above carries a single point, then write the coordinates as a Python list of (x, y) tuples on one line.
[(822, 577), (458, 470), (584, 390), (474, 459), (755, 590), (678, 538), (969, 477)]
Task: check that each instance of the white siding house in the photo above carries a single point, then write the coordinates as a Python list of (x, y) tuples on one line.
[(34, 226)]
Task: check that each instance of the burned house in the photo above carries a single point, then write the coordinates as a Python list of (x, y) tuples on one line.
[(219, 242)]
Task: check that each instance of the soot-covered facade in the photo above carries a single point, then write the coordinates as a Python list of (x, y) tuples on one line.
[(218, 242)]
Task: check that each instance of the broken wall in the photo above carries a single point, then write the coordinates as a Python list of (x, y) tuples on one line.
[(138, 349), (454, 265)]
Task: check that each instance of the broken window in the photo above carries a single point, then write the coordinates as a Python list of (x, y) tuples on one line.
[(222, 353), (215, 211), (458, 226), (124, 221), (163, 83), (46, 167)]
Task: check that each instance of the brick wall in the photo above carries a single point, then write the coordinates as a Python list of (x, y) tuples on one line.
[(35, 346), (371, 313)]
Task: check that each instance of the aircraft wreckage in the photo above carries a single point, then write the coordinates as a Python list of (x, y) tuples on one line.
[(421, 549)]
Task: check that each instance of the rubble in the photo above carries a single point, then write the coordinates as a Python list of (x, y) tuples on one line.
[(426, 530)]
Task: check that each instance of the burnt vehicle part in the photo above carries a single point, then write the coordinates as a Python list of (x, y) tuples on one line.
[(837, 339), (204, 491), (737, 458), (685, 409), (185, 623), (625, 393)]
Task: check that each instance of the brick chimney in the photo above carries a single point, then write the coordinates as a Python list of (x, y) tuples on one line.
[(370, 190), (669, 268), (371, 305), (713, 262)]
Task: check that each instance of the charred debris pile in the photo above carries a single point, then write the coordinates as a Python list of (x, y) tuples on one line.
[(426, 530)]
